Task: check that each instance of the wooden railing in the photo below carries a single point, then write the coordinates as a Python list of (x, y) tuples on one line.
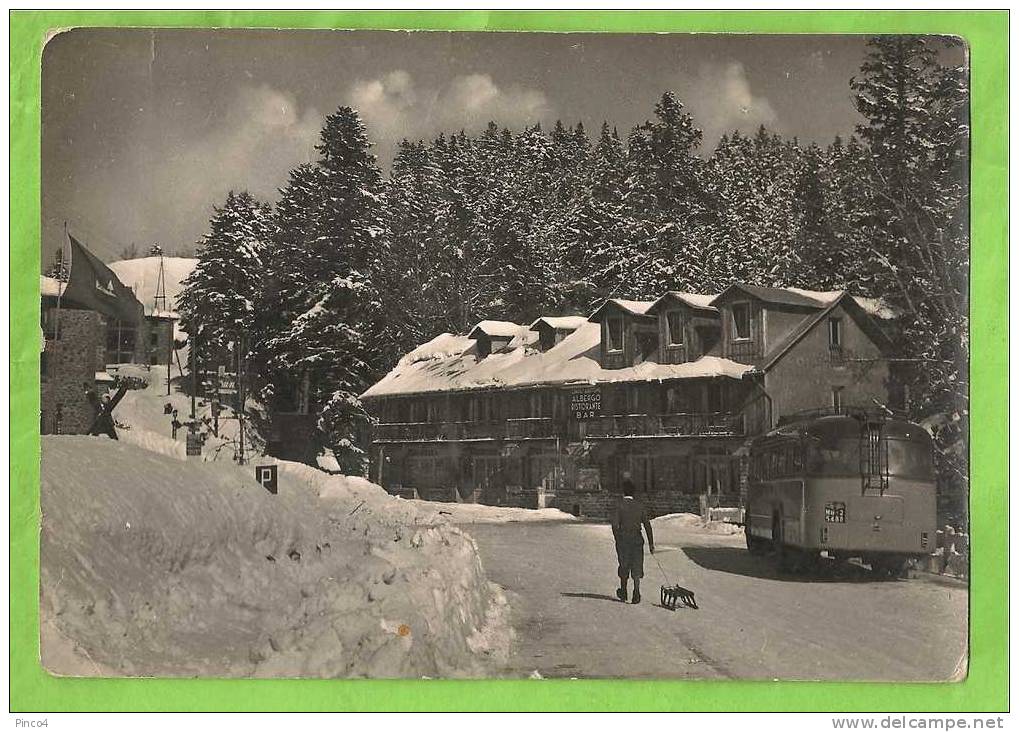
[(631, 425), (744, 351), (533, 427)]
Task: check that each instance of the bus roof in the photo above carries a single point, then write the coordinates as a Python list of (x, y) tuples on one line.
[(848, 425)]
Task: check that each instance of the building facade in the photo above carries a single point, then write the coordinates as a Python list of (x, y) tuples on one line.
[(555, 413), (89, 322)]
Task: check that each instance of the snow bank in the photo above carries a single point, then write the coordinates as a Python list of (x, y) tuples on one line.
[(155, 566), (692, 522), (476, 513)]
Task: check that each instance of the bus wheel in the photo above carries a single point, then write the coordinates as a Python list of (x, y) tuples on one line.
[(892, 567)]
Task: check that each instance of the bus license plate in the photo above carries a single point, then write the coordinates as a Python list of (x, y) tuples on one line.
[(835, 513)]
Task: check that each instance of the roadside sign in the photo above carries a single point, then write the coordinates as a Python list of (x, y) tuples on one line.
[(266, 475), (585, 403), (194, 443)]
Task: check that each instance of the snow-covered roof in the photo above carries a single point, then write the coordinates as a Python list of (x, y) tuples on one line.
[(563, 322), (163, 314), (693, 299), (49, 286), (875, 307), (142, 276), (633, 307), (496, 329), (451, 363), (637, 307)]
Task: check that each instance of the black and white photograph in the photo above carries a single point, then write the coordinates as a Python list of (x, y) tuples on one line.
[(390, 354)]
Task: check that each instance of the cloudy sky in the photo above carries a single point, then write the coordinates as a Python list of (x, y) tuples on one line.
[(143, 131)]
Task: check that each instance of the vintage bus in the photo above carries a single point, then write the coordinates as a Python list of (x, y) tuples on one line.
[(852, 484)]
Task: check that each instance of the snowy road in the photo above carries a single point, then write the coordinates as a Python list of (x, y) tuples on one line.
[(752, 622)]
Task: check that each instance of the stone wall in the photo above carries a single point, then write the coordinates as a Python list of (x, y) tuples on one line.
[(68, 372)]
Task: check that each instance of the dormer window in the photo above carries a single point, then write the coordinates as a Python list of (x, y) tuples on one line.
[(674, 320), (741, 321), (614, 328)]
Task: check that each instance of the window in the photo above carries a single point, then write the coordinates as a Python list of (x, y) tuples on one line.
[(43, 365), (835, 332), (715, 397), (614, 327), (741, 321), (673, 400), (633, 400), (836, 399), (674, 320)]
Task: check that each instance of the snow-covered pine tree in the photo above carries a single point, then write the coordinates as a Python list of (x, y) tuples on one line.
[(820, 261), (847, 208), (330, 347), (917, 132), (336, 338), (412, 198), (216, 302), (669, 212), (287, 280), (592, 243), (459, 280), (59, 270)]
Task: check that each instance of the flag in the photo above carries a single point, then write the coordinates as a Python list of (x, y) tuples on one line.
[(93, 286)]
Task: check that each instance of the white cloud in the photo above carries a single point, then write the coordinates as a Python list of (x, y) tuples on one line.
[(394, 105), (261, 134), (721, 100)]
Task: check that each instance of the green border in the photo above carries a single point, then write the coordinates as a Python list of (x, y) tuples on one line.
[(985, 689)]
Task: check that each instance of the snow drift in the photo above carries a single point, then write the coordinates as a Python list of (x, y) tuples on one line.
[(151, 566)]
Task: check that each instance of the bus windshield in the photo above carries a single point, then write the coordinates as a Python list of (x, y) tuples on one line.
[(906, 458)]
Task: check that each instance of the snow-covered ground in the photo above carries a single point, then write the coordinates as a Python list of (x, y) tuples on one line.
[(476, 513), (669, 526), (158, 564), (141, 419)]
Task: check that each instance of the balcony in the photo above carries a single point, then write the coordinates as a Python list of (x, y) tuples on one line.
[(645, 425), (437, 431), (744, 351), (534, 428)]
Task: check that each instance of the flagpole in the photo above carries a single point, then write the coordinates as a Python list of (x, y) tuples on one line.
[(61, 286)]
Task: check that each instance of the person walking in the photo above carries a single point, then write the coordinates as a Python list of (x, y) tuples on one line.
[(628, 517)]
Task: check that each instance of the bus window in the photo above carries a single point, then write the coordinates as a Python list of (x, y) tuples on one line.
[(833, 457), (910, 459)]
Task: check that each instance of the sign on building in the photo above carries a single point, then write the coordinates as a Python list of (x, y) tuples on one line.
[(585, 403), (266, 476)]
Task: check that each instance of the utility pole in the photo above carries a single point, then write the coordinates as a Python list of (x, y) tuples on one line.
[(159, 309), (193, 358), (241, 363)]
